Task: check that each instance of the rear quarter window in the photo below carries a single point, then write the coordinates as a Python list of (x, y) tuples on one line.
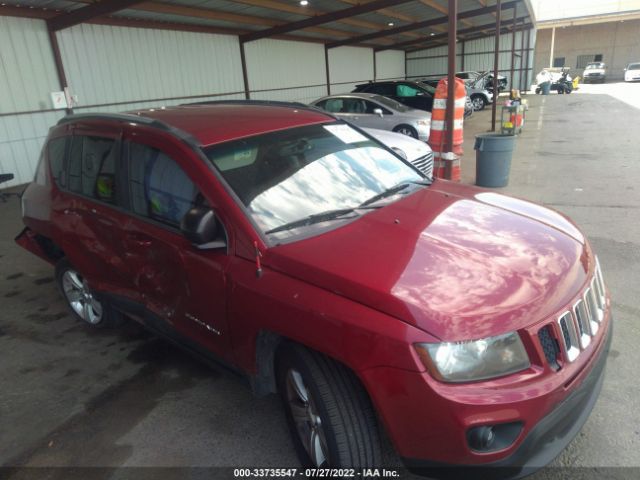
[(56, 151)]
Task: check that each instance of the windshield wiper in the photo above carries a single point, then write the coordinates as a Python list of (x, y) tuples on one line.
[(392, 191), (311, 219)]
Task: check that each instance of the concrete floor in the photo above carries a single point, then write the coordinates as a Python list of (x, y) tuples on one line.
[(73, 397)]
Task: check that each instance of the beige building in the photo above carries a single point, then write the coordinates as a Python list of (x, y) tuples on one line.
[(613, 39)]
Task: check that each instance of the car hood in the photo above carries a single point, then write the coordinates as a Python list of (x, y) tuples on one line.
[(455, 261)]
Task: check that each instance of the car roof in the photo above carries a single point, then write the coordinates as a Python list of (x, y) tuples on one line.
[(220, 122), (367, 96)]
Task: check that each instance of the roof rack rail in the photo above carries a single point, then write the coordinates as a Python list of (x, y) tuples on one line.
[(132, 118), (118, 117)]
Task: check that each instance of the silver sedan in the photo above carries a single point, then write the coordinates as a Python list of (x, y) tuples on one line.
[(369, 110)]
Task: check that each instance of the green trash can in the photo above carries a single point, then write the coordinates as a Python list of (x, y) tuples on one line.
[(546, 88), (493, 159)]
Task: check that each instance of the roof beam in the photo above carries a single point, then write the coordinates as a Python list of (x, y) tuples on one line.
[(320, 19), (388, 12), (436, 40), (221, 16), (308, 11), (441, 9), (84, 14), (415, 26)]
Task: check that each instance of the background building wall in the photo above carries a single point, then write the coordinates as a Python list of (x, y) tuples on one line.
[(617, 42)]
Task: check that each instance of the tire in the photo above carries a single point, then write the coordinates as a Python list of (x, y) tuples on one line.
[(345, 432), (406, 130), (560, 90), (84, 304), (478, 102)]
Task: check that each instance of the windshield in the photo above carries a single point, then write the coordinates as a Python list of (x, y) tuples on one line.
[(593, 66), (392, 104), (287, 176), (634, 66)]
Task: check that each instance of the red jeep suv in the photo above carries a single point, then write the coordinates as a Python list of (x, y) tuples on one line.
[(469, 327)]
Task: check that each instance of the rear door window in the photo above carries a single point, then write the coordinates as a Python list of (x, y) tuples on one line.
[(56, 150), (158, 188), (92, 167)]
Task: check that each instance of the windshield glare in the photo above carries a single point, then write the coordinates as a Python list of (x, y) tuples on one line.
[(286, 176), (593, 66)]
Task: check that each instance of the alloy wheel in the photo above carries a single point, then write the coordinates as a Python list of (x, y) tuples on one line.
[(306, 418), (478, 104), (80, 297)]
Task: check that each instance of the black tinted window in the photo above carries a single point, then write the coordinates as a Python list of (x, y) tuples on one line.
[(91, 169), (56, 152), (159, 189), (383, 89)]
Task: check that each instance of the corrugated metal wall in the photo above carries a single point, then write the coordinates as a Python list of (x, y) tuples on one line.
[(285, 70), (114, 69), (478, 55), (390, 65), (27, 76), (127, 66), (349, 66)]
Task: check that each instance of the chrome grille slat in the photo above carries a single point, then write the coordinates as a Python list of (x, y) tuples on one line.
[(569, 336), (582, 320), (425, 164), (595, 314)]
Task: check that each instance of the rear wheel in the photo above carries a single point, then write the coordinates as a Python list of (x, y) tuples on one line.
[(406, 130), (329, 413), (84, 304)]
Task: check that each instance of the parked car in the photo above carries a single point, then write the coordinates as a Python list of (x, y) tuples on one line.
[(477, 95), (418, 153), (472, 76), (632, 72), (595, 72), (468, 326), (412, 94), (432, 83), (375, 111)]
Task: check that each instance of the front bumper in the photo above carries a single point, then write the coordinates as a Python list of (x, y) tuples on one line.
[(428, 421), (544, 442)]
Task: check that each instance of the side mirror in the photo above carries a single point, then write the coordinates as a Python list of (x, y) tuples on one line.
[(378, 111), (200, 226)]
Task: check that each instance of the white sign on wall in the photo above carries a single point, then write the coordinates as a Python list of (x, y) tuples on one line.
[(59, 100)]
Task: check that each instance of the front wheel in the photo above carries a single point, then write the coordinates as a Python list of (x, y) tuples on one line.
[(329, 413), (478, 103), (83, 302)]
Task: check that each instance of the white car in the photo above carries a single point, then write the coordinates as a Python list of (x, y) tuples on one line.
[(595, 72), (632, 72), (415, 151)]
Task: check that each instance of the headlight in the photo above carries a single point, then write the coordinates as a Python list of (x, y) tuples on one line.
[(423, 123), (474, 360), (399, 152)]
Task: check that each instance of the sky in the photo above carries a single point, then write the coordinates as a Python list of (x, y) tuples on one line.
[(555, 9)]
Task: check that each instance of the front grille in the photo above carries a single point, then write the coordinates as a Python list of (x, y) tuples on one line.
[(550, 347), (576, 327), (425, 164)]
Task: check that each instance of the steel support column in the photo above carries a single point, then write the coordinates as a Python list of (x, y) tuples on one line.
[(245, 75), (513, 45), (462, 58), (57, 60), (496, 67), (451, 75), (522, 83), (526, 66), (326, 66)]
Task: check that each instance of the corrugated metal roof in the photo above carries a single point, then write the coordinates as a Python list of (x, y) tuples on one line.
[(264, 15)]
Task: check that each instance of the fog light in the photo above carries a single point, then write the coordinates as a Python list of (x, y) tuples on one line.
[(490, 438), (480, 438)]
